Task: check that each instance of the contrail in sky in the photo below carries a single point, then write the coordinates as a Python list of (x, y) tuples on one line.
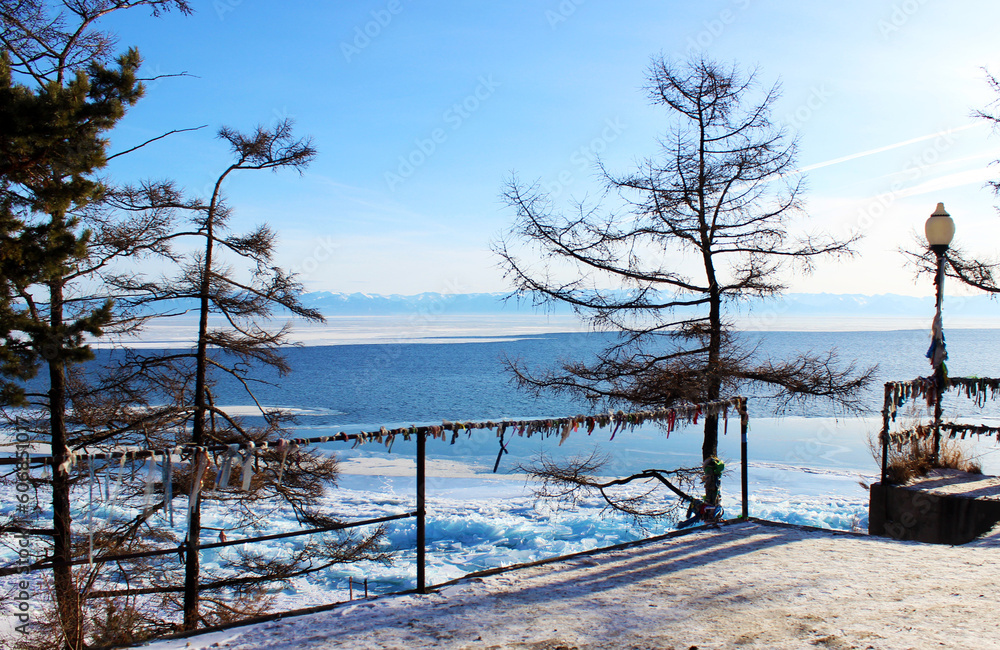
[(881, 149)]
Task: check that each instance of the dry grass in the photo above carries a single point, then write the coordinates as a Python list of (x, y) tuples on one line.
[(916, 458)]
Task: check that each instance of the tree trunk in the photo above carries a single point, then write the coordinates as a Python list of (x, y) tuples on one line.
[(192, 566), (67, 597), (710, 446), (192, 570)]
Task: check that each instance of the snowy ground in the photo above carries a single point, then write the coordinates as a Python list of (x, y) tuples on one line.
[(747, 585), (478, 521)]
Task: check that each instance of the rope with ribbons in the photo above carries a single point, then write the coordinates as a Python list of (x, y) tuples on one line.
[(451, 431), (898, 393)]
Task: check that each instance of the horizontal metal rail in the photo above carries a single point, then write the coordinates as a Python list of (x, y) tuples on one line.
[(180, 550)]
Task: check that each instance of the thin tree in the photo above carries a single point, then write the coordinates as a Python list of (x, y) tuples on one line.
[(234, 338), (241, 304), (701, 229)]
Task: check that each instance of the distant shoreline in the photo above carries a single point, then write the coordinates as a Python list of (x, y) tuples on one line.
[(372, 319), (480, 328)]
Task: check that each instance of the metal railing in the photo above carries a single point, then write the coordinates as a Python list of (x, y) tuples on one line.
[(544, 426)]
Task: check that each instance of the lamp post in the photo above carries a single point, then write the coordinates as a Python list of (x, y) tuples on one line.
[(939, 230)]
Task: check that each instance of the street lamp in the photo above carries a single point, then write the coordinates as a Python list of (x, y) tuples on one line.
[(939, 230)]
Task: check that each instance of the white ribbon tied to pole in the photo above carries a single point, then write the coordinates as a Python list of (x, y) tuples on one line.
[(147, 499), (248, 459), (285, 448), (90, 514), (223, 476), (201, 463)]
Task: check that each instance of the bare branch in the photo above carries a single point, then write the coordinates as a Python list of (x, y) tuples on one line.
[(151, 140), (576, 479)]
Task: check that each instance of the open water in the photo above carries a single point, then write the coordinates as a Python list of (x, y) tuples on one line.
[(425, 382), (366, 386)]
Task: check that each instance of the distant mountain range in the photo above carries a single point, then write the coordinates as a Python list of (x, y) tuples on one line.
[(367, 304), (795, 305)]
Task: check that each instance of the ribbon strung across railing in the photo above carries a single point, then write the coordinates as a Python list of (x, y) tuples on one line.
[(563, 427), (545, 427), (201, 457), (952, 429), (978, 389), (222, 457), (956, 430)]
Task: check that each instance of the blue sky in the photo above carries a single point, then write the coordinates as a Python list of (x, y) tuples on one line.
[(880, 94)]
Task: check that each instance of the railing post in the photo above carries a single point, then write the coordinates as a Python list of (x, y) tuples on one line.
[(883, 435), (887, 403), (421, 513), (744, 457)]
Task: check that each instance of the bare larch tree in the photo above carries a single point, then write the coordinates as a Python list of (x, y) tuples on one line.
[(700, 229), (231, 283)]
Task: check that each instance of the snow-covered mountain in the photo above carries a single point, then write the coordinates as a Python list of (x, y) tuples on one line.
[(358, 304)]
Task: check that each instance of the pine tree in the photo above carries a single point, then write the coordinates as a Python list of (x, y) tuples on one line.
[(71, 250), (59, 97), (53, 136)]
